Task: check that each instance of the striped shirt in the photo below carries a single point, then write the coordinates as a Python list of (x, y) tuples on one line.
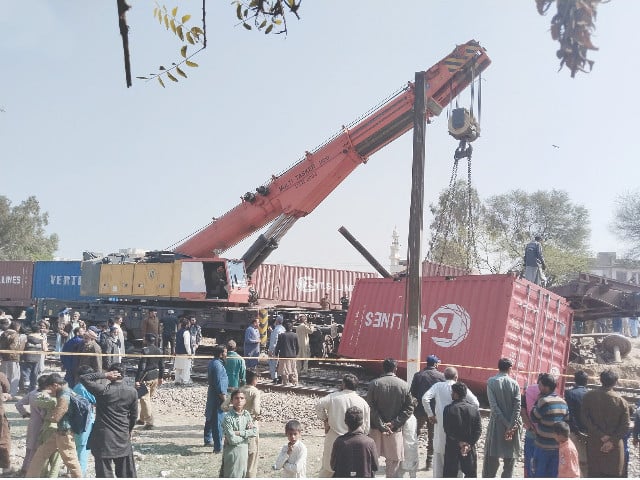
[(548, 410)]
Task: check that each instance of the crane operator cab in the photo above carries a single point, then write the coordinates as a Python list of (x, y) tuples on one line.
[(223, 278)]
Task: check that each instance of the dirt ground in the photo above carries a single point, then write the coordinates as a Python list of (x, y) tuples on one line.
[(174, 449)]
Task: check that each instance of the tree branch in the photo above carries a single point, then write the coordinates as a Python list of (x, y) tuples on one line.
[(124, 32)]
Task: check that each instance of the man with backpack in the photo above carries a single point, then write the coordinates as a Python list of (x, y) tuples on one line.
[(62, 439)]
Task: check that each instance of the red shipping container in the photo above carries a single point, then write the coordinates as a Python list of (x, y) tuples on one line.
[(16, 280), (433, 269), (469, 322), (294, 286)]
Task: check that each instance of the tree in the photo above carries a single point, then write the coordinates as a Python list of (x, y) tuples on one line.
[(22, 235), (514, 218), (452, 241), (626, 223)]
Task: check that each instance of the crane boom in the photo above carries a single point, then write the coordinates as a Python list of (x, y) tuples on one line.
[(299, 190)]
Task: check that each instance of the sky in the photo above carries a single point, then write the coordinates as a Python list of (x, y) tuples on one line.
[(145, 167)]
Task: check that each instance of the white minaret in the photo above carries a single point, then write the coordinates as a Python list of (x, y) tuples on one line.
[(394, 253)]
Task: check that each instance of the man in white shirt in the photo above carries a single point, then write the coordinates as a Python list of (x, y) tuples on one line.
[(331, 410), (441, 392)]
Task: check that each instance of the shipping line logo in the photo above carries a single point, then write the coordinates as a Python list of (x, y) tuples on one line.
[(310, 285), (447, 327)]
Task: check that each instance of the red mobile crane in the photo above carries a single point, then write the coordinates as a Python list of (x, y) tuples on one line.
[(193, 276), (299, 190)]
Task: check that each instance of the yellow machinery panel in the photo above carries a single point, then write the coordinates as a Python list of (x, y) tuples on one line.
[(116, 279), (155, 280)]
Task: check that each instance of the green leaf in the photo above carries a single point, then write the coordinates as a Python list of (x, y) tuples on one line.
[(246, 25), (143, 78), (246, 12), (166, 21), (277, 21), (239, 11), (161, 68), (161, 82), (268, 30), (262, 25), (179, 32), (197, 31), (160, 17), (155, 12), (173, 25), (174, 11), (185, 18), (190, 38), (183, 51), (191, 64), (171, 77), (180, 72)]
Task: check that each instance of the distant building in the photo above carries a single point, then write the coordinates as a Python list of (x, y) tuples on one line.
[(623, 270)]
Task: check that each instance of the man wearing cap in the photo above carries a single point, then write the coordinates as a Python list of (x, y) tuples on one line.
[(423, 381), (90, 346), (273, 341), (235, 366), (505, 425), (150, 373)]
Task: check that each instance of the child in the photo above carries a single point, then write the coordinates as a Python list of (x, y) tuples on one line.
[(293, 455), (568, 464), (238, 428), (253, 406)]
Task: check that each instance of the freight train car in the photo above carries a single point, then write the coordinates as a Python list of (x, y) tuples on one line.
[(55, 285), (469, 322)]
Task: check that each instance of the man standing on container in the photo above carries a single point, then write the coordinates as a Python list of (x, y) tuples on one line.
[(441, 392), (505, 426), (534, 261), (391, 406), (273, 341), (606, 418), (549, 409), (216, 395), (252, 344), (302, 331), (423, 381), (331, 410), (578, 434)]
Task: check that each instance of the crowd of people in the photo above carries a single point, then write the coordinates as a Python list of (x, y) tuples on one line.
[(586, 433)]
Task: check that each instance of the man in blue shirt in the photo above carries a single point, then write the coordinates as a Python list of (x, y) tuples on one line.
[(216, 395), (534, 261), (578, 434)]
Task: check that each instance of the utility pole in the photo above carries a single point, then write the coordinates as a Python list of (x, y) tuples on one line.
[(414, 330)]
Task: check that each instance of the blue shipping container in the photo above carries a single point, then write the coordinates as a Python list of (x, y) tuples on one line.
[(59, 280)]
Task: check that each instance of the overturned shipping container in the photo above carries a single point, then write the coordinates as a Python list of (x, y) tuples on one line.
[(468, 322), (16, 280)]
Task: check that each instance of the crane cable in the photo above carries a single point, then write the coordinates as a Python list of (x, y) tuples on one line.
[(447, 204)]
